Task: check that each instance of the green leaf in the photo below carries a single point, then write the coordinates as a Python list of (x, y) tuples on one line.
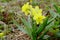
[(54, 15), (27, 24), (58, 34), (41, 27), (57, 9), (34, 28), (35, 2), (29, 21), (46, 29), (27, 27), (46, 36), (19, 27)]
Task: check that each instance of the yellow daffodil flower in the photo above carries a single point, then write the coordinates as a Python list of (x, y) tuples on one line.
[(33, 12), (38, 18), (38, 10), (37, 15), (26, 8)]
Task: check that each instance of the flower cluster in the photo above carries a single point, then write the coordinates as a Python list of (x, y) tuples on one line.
[(35, 12)]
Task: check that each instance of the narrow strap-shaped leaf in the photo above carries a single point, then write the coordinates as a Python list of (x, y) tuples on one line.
[(27, 28), (51, 20), (46, 29), (25, 22), (54, 15), (41, 27), (19, 27), (57, 9), (34, 35), (29, 21)]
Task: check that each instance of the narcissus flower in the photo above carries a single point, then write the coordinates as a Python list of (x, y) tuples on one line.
[(33, 12), (36, 10), (38, 18), (37, 14), (26, 8), (39, 11)]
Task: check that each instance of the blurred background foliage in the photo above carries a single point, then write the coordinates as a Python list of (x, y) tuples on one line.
[(11, 9)]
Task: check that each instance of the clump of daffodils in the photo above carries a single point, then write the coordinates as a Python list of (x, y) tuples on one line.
[(36, 13)]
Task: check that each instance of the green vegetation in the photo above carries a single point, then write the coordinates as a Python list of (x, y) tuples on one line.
[(40, 19)]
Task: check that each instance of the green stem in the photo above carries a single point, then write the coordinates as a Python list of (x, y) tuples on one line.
[(34, 37)]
